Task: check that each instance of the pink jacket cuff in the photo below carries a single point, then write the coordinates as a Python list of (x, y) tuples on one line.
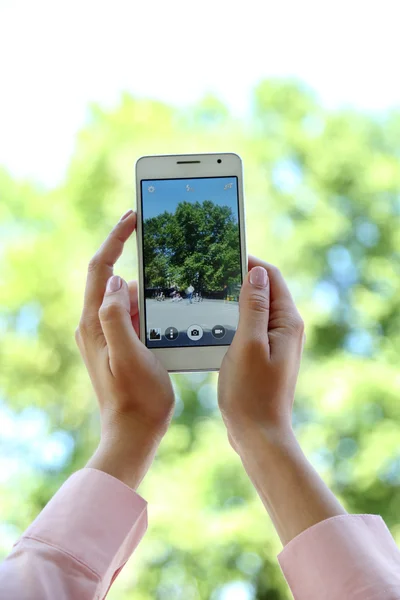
[(95, 521), (348, 557)]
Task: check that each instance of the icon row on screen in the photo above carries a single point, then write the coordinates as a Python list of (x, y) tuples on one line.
[(194, 333), (152, 188)]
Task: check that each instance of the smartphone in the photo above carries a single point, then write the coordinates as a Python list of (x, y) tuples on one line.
[(192, 256)]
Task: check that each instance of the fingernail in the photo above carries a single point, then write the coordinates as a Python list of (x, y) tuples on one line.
[(126, 215), (259, 277), (113, 284)]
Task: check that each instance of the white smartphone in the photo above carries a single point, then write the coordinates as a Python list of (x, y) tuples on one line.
[(192, 256)]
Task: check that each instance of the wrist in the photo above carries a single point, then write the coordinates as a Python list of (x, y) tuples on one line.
[(266, 447), (125, 456), (255, 438)]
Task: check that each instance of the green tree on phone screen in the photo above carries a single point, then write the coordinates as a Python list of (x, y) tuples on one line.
[(197, 244)]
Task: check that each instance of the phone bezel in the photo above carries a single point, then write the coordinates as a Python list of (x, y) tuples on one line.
[(192, 358)]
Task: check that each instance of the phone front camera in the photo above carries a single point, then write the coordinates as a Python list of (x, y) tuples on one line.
[(219, 161)]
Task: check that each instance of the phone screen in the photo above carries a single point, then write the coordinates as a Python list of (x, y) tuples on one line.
[(192, 261)]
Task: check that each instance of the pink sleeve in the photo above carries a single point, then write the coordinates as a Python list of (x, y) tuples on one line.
[(79, 542), (349, 557)]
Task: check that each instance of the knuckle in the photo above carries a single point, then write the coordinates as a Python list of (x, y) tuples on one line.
[(111, 312), (258, 303), (254, 349), (116, 234), (84, 329), (273, 270), (296, 325), (82, 334), (94, 263), (88, 331), (78, 336)]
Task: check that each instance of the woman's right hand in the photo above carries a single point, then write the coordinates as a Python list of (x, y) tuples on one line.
[(259, 372)]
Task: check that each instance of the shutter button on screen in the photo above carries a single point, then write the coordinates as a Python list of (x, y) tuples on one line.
[(171, 333), (195, 332)]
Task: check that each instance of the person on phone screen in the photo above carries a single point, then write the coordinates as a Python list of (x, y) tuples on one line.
[(189, 293), (83, 537), (225, 292)]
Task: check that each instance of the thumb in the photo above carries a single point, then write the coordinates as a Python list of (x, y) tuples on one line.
[(115, 318), (254, 304)]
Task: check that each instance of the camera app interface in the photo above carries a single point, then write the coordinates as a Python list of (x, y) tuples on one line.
[(192, 266)]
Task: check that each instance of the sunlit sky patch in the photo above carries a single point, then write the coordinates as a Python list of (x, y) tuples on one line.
[(54, 62)]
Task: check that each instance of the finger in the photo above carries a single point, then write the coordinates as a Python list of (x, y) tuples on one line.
[(101, 265), (282, 306), (134, 309), (115, 319), (284, 318), (278, 286), (254, 305)]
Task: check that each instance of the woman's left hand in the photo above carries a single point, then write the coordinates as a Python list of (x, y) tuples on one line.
[(134, 390)]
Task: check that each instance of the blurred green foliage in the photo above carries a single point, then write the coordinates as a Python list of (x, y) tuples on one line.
[(323, 203)]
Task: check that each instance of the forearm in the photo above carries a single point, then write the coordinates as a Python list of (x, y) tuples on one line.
[(291, 490)]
